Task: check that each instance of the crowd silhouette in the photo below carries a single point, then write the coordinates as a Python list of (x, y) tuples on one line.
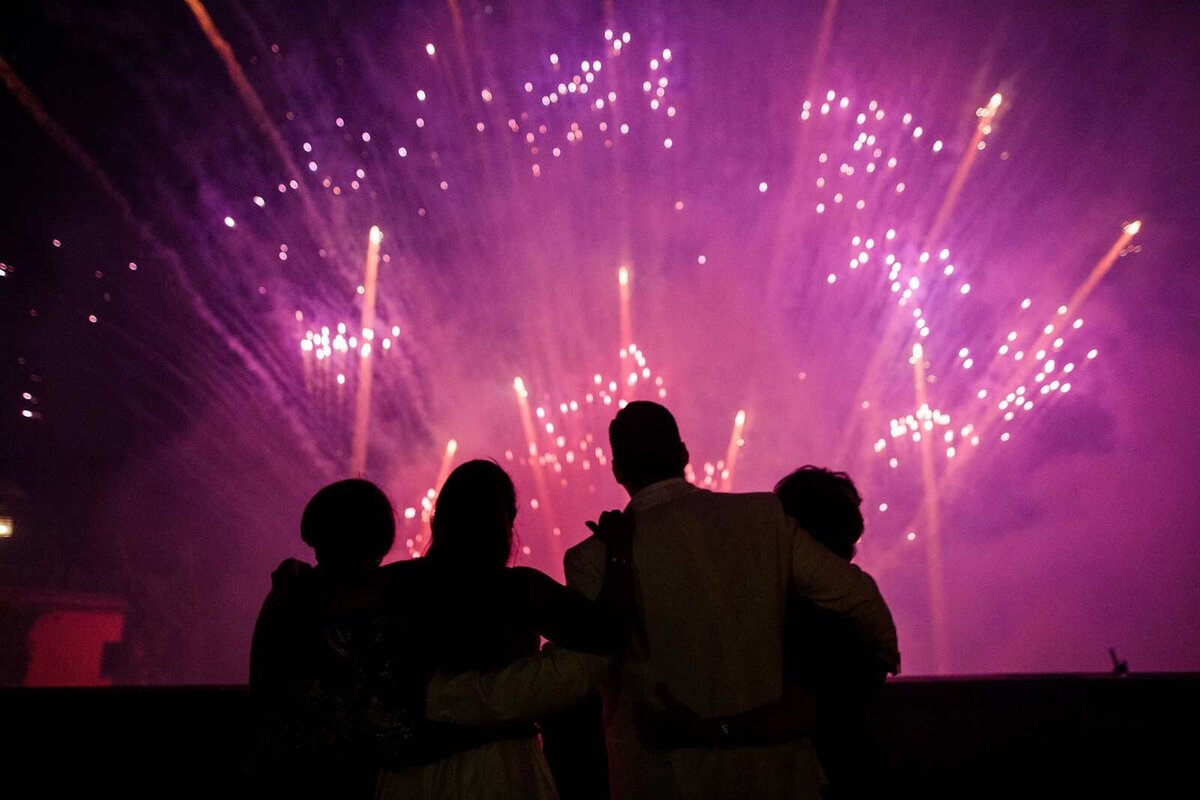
[(707, 644)]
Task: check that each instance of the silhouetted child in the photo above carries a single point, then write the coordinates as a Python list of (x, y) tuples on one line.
[(822, 653), (322, 653)]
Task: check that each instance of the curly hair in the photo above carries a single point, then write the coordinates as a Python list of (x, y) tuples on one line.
[(349, 519), (826, 504)]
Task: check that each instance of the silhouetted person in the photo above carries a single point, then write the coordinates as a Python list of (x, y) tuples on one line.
[(342, 653), (714, 575), (480, 614), (831, 677), (822, 653), (320, 654)]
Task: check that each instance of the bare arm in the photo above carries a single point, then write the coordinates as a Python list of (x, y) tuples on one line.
[(568, 618), (557, 678)]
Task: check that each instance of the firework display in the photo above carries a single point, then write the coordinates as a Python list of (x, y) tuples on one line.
[(385, 243)]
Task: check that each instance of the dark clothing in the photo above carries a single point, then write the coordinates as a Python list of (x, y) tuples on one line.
[(826, 656), (339, 663), (573, 742), (485, 620)]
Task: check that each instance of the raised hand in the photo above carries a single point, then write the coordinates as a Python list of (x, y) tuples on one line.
[(615, 528)]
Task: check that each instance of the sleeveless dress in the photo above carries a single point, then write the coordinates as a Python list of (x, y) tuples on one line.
[(484, 621)]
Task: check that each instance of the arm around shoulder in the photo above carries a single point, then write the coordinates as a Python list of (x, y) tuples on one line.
[(583, 565), (835, 584), (529, 688)]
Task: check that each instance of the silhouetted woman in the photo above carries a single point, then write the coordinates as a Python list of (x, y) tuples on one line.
[(480, 614)]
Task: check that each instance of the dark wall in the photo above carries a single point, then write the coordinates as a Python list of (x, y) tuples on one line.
[(1054, 736)]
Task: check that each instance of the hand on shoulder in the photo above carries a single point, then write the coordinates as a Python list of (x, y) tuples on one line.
[(289, 574), (615, 529)]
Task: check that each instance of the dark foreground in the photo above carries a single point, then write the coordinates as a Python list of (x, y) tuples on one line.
[(1028, 736)]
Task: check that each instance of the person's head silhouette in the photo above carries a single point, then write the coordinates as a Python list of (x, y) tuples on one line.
[(472, 523), (826, 504), (646, 446), (350, 524)]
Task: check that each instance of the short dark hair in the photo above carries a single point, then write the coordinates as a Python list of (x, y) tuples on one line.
[(826, 504), (473, 520), (645, 442), (349, 519)]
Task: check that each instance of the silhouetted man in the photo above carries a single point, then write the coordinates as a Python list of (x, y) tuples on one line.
[(714, 572)]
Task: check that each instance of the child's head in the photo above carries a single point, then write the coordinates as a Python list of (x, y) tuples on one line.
[(826, 504), (349, 522)]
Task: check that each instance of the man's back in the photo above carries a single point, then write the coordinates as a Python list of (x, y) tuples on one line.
[(714, 573), (713, 581)]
